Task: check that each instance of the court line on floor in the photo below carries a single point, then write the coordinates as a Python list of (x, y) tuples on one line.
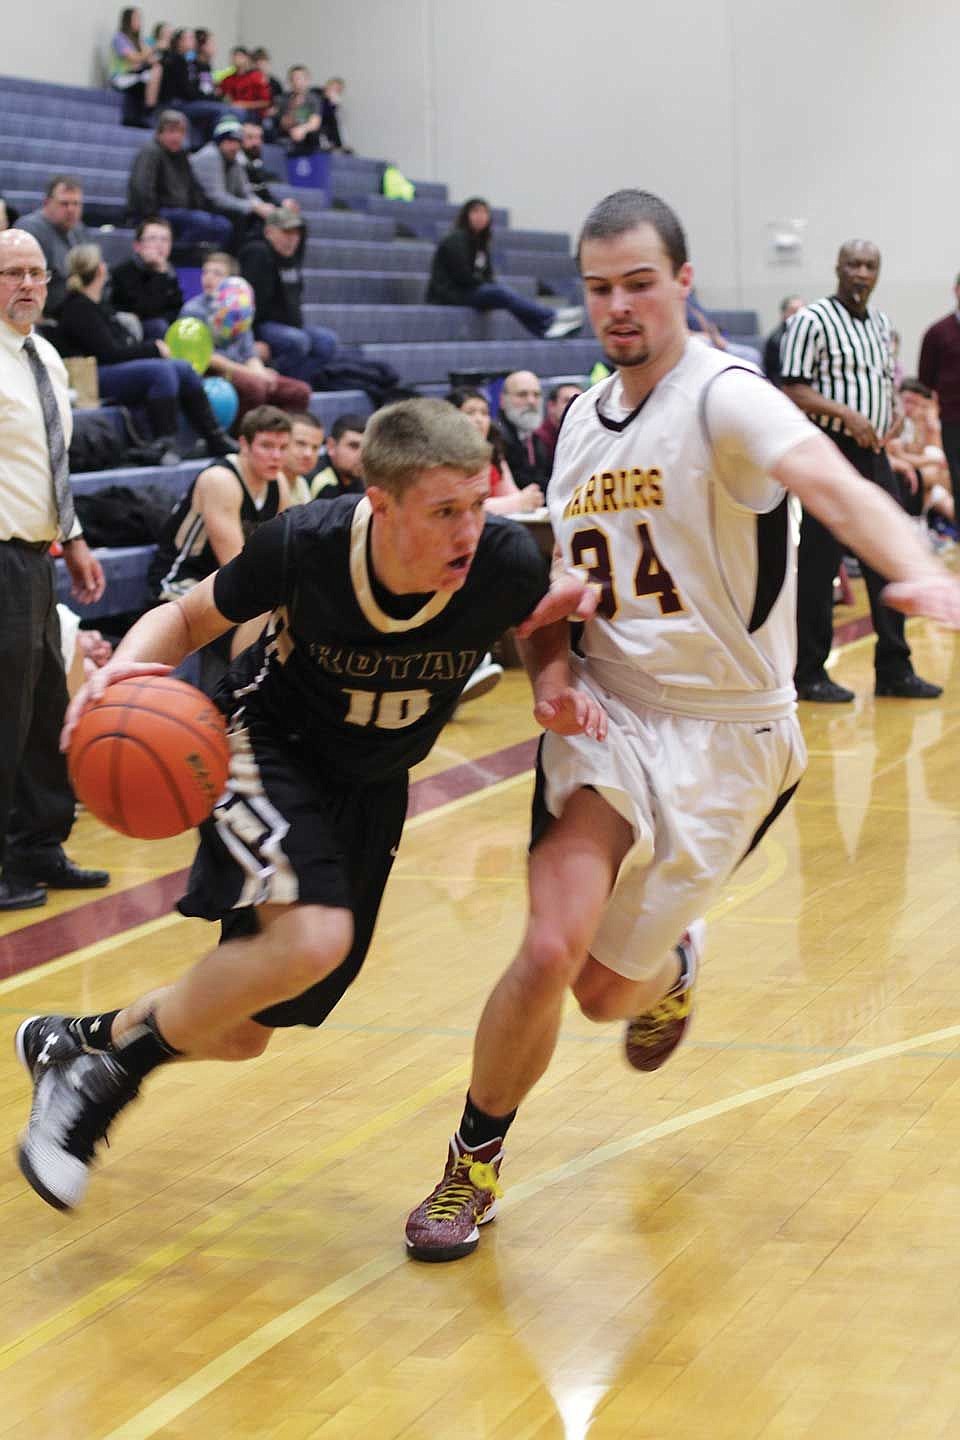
[(87, 1307), (197, 1387)]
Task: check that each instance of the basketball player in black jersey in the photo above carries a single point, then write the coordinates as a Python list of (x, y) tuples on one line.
[(218, 514), (369, 613)]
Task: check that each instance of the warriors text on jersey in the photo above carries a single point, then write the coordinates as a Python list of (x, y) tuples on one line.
[(184, 553), (363, 679), (672, 513)]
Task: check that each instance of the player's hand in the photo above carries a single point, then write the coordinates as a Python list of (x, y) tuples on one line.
[(95, 684), (861, 430), (571, 712), (569, 598), (86, 573), (936, 596)]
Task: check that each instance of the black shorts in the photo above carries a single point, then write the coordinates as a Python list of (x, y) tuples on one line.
[(287, 834)]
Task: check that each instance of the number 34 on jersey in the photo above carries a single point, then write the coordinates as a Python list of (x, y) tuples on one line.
[(590, 552)]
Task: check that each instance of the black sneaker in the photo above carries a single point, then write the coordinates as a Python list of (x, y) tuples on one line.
[(45, 1040), (909, 687), (73, 1108), (825, 692)]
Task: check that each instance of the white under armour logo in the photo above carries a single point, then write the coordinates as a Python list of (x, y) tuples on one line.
[(44, 1057)]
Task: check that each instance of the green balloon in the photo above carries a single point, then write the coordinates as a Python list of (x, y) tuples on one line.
[(190, 340)]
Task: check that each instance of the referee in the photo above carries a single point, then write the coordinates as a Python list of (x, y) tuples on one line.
[(837, 365)]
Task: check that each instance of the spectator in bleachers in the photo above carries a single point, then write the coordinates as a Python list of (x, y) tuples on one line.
[(134, 69), (259, 176), (212, 523), (330, 97), (222, 176), (789, 306), (343, 472), (273, 263), (559, 398), (301, 461), (462, 274), (261, 60), (160, 37), (237, 360), (505, 498), (132, 372), (162, 183), (299, 113), (703, 328), (147, 285), (57, 227), (246, 88), (521, 415), (916, 455), (188, 86), (939, 369)]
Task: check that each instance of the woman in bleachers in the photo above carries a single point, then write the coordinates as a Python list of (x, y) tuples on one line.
[(134, 69), (505, 496), (462, 274), (188, 86), (132, 372)]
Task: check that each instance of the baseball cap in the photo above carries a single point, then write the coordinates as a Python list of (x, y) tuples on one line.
[(228, 128), (285, 219)]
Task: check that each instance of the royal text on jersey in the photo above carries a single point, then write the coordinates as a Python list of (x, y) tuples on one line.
[(435, 665)]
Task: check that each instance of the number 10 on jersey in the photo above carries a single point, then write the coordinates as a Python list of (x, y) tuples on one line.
[(589, 550)]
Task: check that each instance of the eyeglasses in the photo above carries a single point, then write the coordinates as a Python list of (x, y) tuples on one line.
[(16, 275)]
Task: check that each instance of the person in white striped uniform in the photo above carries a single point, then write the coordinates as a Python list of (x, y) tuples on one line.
[(837, 366)]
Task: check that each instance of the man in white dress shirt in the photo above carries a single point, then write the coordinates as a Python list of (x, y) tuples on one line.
[(36, 802)]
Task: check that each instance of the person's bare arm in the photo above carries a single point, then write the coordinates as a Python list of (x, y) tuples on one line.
[(218, 497), (811, 402)]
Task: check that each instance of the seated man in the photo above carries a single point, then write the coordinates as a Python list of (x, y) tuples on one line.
[(162, 183), (300, 113), (237, 360), (223, 506), (330, 97), (559, 398), (246, 88), (273, 264), (146, 285), (343, 472), (300, 463), (789, 306), (917, 458), (223, 177), (57, 227), (521, 415), (258, 176)]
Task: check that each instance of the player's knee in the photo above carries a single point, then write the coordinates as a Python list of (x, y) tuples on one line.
[(604, 996), (550, 959), (312, 940)]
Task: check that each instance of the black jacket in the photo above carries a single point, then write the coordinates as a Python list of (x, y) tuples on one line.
[(185, 79), (161, 180), (86, 328), (151, 294), (277, 283), (457, 270), (525, 471)]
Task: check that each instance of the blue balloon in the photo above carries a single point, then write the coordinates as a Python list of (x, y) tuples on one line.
[(224, 401)]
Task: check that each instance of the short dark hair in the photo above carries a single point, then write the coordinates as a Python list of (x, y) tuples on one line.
[(151, 220), (70, 182), (343, 423), (305, 417), (262, 418), (626, 209), (460, 394), (916, 387)]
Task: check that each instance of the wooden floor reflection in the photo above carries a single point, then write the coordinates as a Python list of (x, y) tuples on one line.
[(760, 1240)]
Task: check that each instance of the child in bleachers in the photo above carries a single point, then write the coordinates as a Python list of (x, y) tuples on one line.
[(134, 69)]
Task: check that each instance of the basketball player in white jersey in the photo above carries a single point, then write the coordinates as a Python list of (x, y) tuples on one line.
[(671, 489)]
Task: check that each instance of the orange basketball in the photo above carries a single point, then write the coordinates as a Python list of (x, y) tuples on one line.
[(150, 757)]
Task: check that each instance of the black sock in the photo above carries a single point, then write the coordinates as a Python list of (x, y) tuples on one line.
[(93, 1031), (477, 1128), (142, 1049)]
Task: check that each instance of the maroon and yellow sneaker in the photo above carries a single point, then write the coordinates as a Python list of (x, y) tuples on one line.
[(445, 1226), (652, 1036)]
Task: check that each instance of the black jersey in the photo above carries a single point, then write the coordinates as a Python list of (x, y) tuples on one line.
[(184, 553), (363, 679)]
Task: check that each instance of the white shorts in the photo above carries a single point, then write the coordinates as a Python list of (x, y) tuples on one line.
[(695, 791)]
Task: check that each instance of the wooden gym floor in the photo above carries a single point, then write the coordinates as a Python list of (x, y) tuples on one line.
[(760, 1240)]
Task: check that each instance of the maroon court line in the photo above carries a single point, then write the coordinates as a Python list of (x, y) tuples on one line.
[(112, 914), (851, 630)]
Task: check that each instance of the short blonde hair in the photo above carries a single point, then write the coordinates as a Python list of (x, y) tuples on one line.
[(83, 262), (220, 257), (403, 440)]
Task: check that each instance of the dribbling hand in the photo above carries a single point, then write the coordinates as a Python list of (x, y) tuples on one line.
[(95, 684)]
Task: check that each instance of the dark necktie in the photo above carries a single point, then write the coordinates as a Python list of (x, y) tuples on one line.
[(59, 464)]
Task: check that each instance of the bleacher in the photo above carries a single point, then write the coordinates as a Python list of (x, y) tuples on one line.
[(366, 268)]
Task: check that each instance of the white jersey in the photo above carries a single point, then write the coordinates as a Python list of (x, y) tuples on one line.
[(671, 510)]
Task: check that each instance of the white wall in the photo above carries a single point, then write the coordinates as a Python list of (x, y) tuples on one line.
[(740, 112), (67, 41)]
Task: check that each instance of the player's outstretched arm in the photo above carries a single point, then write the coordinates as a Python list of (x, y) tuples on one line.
[(874, 526), (153, 646), (569, 598)]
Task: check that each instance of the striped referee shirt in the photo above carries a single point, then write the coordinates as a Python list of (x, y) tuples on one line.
[(843, 357)]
